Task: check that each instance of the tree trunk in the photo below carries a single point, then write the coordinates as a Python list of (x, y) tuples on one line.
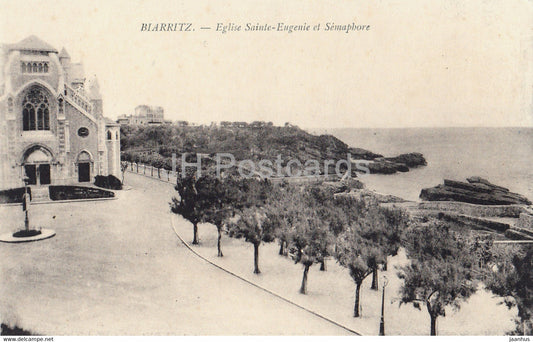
[(374, 279), (195, 235), (219, 231), (356, 312), (323, 264), (256, 258), (303, 289), (433, 325)]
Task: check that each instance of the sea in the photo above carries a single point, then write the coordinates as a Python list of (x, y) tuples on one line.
[(503, 156)]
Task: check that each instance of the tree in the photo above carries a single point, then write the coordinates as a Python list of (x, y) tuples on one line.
[(320, 197), (282, 210), (359, 255), (196, 199), (397, 221), (217, 206), (511, 275), (312, 240), (218, 219), (250, 226), (384, 227), (232, 193), (441, 271)]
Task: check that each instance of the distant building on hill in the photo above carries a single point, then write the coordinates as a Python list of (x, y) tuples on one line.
[(144, 115)]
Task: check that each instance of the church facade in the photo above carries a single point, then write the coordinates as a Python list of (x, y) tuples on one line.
[(52, 127)]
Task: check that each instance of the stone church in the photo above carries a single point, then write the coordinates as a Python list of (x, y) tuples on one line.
[(52, 127)]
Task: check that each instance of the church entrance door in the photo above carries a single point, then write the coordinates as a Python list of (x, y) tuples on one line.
[(44, 174), (37, 166), (38, 174), (31, 173), (84, 172)]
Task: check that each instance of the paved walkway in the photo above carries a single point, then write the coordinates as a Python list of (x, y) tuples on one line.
[(116, 268)]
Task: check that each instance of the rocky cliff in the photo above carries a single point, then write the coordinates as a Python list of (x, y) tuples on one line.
[(476, 190)]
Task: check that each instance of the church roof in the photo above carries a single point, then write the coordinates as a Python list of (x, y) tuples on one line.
[(64, 53), (33, 43)]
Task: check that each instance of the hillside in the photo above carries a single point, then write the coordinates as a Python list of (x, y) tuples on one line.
[(155, 145)]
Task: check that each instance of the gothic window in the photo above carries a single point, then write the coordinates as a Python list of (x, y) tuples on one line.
[(10, 105), (28, 117), (28, 68), (35, 111), (109, 136)]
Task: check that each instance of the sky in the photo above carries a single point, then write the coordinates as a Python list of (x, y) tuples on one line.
[(420, 64)]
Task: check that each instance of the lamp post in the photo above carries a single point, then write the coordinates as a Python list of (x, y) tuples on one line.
[(382, 321), (26, 203)]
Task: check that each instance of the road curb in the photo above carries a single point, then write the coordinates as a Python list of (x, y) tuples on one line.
[(259, 286)]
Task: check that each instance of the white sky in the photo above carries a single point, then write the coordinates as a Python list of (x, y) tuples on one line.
[(423, 63)]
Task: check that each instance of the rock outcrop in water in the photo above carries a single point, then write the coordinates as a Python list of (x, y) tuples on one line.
[(400, 163), (476, 191)]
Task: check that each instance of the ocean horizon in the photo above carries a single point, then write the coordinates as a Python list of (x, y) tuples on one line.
[(501, 155)]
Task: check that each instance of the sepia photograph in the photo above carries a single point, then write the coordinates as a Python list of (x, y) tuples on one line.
[(278, 169)]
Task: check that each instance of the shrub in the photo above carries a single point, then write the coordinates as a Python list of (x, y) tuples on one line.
[(70, 192), (108, 182), (7, 330), (13, 195)]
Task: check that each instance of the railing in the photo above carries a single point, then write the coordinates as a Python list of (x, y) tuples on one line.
[(79, 98), (153, 172), (172, 176)]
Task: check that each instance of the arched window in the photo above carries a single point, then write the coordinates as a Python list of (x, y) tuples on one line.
[(23, 67), (116, 135), (45, 68), (109, 136), (28, 117), (35, 67), (10, 105), (28, 67), (35, 111), (40, 67)]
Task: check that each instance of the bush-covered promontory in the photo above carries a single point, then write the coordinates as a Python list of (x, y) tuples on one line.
[(155, 145)]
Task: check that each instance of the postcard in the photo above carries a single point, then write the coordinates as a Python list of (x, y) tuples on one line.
[(279, 168)]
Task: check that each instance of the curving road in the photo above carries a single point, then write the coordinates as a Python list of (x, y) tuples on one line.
[(116, 268)]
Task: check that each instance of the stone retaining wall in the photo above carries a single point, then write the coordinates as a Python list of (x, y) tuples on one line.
[(513, 210)]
